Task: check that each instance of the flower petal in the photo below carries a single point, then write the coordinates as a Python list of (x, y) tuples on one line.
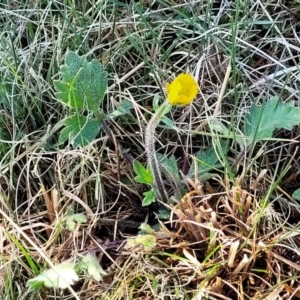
[(173, 92), (182, 90)]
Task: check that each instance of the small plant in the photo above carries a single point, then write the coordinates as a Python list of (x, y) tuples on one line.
[(146, 238), (261, 121), (61, 277), (66, 274), (182, 91), (82, 90)]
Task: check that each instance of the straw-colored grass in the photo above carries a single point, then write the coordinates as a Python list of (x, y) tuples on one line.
[(232, 234)]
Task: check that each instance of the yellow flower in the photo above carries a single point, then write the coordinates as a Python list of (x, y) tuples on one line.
[(182, 90)]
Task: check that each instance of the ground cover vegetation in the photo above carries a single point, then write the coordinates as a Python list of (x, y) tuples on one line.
[(149, 149)]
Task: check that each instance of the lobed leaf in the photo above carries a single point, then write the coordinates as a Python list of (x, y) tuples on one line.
[(149, 198), (83, 83), (263, 120), (63, 275), (80, 130), (90, 264), (143, 175)]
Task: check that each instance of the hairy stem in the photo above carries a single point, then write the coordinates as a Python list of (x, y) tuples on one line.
[(153, 163)]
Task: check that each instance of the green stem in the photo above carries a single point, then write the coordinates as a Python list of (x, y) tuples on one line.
[(153, 163)]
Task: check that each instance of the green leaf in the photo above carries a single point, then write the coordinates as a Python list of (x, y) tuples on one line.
[(296, 194), (218, 126), (156, 102), (156, 227), (80, 130), (147, 238), (263, 120), (149, 198), (207, 160), (90, 264), (146, 229), (73, 219), (143, 175), (168, 122), (163, 214), (83, 83), (123, 109), (63, 275), (148, 241), (169, 165), (33, 265), (157, 106)]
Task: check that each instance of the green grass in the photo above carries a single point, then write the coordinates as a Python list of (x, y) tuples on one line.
[(233, 235)]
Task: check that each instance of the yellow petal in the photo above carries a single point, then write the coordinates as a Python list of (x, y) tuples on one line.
[(182, 90), (173, 92)]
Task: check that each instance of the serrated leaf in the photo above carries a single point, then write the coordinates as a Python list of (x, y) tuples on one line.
[(149, 198), (63, 275), (83, 83), (143, 175), (169, 165), (263, 120), (90, 264), (80, 130), (296, 194)]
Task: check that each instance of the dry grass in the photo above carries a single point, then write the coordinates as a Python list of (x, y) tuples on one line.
[(232, 236)]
